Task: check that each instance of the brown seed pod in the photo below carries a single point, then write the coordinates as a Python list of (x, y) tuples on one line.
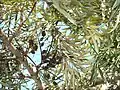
[(43, 33), (31, 43), (42, 44), (35, 47), (54, 83), (41, 39), (45, 67), (44, 52), (32, 51)]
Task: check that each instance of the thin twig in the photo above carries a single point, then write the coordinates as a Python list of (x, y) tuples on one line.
[(31, 60), (21, 24)]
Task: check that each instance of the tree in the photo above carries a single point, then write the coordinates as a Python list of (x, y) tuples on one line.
[(78, 42)]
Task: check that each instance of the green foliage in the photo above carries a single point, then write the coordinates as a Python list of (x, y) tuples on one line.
[(78, 41)]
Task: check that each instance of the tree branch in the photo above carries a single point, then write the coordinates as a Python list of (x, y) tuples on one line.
[(101, 81), (21, 59), (21, 24)]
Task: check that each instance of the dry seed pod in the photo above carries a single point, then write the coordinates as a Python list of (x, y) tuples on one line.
[(31, 43), (35, 47), (43, 33)]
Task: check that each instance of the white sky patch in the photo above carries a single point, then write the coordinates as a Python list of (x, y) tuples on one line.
[(29, 85), (35, 57)]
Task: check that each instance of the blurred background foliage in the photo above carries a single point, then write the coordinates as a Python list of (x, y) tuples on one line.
[(79, 42)]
